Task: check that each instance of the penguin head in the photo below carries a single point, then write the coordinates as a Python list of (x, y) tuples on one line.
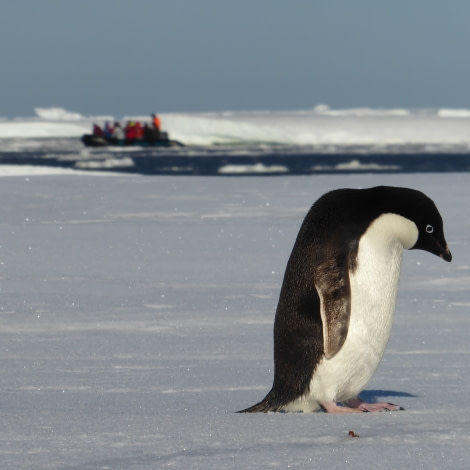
[(420, 209), (431, 238)]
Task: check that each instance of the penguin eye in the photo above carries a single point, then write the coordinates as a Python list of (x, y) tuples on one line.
[(429, 228)]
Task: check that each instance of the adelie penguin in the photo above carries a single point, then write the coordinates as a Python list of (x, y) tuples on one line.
[(337, 300)]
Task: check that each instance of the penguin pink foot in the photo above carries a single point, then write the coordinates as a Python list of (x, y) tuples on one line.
[(362, 407), (335, 408), (357, 403)]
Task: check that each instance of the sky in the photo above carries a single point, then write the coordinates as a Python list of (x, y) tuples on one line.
[(115, 57)]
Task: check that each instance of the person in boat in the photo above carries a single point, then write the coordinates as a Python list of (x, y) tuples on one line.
[(149, 133), (156, 126), (118, 132), (139, 131), (108, 129), (156, 122), (130, 130), (97, 131)]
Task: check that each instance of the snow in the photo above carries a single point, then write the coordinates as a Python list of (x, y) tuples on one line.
[(137, 317), (57, 114), (33, 170)]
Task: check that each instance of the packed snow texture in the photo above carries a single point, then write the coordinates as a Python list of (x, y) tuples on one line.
[(137, 317), (319, 126)]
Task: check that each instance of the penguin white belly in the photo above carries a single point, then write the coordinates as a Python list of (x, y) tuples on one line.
[(373, 287), (373, 295)]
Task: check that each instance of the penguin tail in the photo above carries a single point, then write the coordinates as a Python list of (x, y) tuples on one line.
[(269, 403)]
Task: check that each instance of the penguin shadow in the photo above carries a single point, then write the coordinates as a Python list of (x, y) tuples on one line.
[(372, 396)]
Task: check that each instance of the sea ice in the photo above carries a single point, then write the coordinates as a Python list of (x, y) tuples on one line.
[(137, 317)]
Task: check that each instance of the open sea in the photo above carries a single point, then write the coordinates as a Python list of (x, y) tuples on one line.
[(320, 140)]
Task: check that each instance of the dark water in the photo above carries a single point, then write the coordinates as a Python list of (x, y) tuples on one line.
[(236, 160)]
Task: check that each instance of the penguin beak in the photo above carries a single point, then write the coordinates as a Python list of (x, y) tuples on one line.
[(436, 245), (431, 245), (446, 255)]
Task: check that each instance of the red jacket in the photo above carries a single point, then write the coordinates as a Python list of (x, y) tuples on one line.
[(131, 131)]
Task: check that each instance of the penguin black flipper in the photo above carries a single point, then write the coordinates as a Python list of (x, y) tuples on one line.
[(332, 284)]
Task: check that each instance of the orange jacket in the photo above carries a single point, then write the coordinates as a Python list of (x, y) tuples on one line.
[(156, 122)]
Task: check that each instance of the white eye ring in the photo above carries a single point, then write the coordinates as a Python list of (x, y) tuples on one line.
[(429, 228)]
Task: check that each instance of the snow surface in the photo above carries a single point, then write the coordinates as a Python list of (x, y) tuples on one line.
[(319, 126), (137, 317)]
